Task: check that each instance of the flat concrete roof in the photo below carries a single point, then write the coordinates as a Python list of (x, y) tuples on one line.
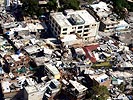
[(108, 21), (52, 69), (63, 21), (31, 89), (41, 60), (79, 87), (32, 49), (88, 18), (101, 9), (101, 6)]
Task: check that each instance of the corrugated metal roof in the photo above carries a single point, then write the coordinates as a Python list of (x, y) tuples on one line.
[(88, 50)]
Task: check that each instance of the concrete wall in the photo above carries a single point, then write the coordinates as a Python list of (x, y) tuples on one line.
[(83, 31)]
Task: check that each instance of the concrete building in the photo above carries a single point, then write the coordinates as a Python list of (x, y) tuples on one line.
[(41, 90), (71, 41), (111, 25), (108, 20), (31, 92), (74, 22), (102, 79), (74, 90), (53, 70)]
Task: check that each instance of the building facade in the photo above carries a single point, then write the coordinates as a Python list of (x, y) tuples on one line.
[(74, 22), (108, 20)]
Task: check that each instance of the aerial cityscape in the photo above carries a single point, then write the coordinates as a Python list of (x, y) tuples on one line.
[(66, 49)]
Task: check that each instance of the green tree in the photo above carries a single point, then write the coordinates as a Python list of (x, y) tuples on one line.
[(52, 5), (90, 1), (69, 4), (100, 92), (119, 6), (122, 87), (31, 8), (131, 7)]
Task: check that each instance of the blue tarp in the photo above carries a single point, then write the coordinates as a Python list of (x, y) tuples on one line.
[(7, 33), (18, 52)]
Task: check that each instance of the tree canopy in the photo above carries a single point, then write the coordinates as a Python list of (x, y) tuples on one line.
[(31, 8), (69, 4), (100, 92), (120, 5), (52, 5), (90, 1), (122, 87)]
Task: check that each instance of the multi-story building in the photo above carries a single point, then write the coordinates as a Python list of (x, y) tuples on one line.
[(108, 20), (100, 79), (74, 90), (74, 22), (42, 91)]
